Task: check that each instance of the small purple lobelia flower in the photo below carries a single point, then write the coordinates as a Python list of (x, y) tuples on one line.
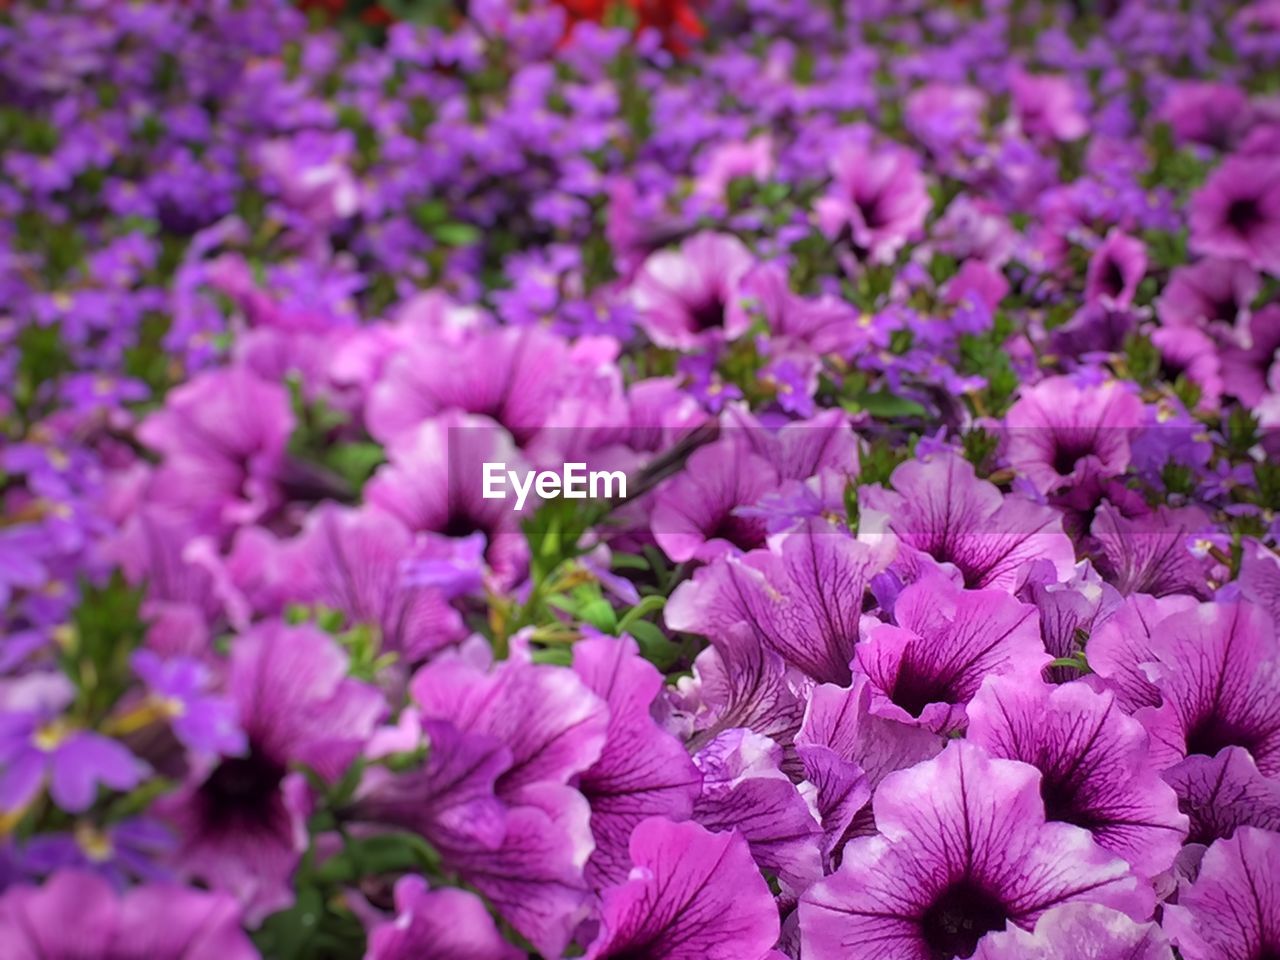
[(926, 666), (877, 200), (78, 916), (1217, 668), (444, 924), (1233, 908), (941, 510), (242, 826), (1092, 757), (691, 895), (643, 771), (179, 690), (1115, 270), (38, 746), (1078, 931), (692, 294), (963, 850), (801, 598), (1236, 214), (1060, 433)]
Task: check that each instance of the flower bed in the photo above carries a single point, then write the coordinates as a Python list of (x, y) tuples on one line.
[(734, 480)]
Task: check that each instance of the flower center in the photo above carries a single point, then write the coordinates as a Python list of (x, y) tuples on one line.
[(1212, 733), (959, 917), (242, 787), (708, 315), (1243, 215)]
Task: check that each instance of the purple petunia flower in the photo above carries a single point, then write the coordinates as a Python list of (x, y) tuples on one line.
[(1046, 106), (1078, 931), (222, 436), (1233, 908), (695, 515), (434, 483), (691, 895), (688, 296), (1212, 293), (801, 597), (1222, 793), (1236, 214), (963, 851), (643, 771), (1217, 668), (941, 510), (1093, 761), (444, 923), (925, 667), (878, 200), (78, 915), (1059, 433), (1115, 270), (242, 825)]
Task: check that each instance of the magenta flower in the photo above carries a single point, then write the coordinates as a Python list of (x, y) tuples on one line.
[(222, 437), (740, 682), (963, 851), (1222, 793), (77, 916), (801, 598), (1247, 371), (690, 295), (434, 483), (1094, 766), (1151, 554), (1213, 114), (1211, 293), (941, 510), (1046, 107), (745, 790), (877, 200), (696, 514), (1190, 353), (1122, 646), (1259, 578), (1236, 214), (354, 561), (514, 376), (1078, 931), (1233, 908), (445, 924), (1115, 270), (1060, 433), (691, 895), (1217, 668), (643, 771), (925, 668), (243, 824)]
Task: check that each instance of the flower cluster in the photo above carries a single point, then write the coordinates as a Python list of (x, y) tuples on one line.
[(938, 343)]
